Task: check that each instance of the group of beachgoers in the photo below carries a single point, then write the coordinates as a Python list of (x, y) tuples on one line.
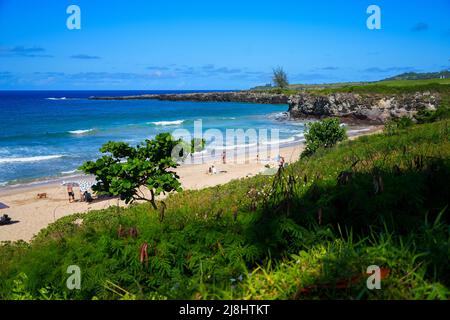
[(279, 159), (212, 169), (85, 195)]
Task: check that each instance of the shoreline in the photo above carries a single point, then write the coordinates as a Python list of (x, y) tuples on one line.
[(75, 174), (32, 214)]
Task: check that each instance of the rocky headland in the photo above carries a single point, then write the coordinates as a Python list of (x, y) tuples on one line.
[(361, 108), (235, 96), (349, 107)]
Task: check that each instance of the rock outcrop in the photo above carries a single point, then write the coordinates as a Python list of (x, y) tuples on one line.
[(350, 107), (238, 96), (367, 108)]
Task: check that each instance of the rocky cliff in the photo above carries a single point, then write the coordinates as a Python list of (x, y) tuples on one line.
[(368, 108), (350, 107), (238, 96)]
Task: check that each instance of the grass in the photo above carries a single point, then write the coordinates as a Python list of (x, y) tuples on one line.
[(309, 232), (294, 88), (441, 86), (409, 83)]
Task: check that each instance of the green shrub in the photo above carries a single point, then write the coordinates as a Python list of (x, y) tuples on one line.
[(393, 125), (323, 134), (429, 116)]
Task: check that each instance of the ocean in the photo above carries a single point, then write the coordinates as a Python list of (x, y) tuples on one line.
[(48, 134)]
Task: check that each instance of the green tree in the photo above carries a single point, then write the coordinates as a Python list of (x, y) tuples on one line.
[(323, 134), (197, 145), (124, 170), (280, 78)]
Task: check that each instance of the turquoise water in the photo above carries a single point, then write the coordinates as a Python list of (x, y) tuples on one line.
[(47, 134)]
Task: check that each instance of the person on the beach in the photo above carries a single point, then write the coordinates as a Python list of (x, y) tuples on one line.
[(87, 197), (213, 168), (71, 194), (4, 220), (224, 157), (281, 162), (257, 158), (81, 195)]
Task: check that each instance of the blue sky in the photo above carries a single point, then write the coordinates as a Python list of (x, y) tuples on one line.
[(215, 44)]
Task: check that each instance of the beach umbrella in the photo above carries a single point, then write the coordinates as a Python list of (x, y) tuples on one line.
[(85, 185), (3, 206), (70, 183)]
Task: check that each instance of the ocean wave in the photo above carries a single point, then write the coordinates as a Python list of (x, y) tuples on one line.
[(296, 123), (230, 147), (43, 135), (280, 141), (359, 130), (252, 145), (51, 98), (80, 132), (167, 123), (69, 172), (30, 159), (278, 115)]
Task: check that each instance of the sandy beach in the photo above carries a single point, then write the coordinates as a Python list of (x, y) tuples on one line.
[(32, 214)]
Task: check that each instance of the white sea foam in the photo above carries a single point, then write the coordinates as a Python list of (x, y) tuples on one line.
[(30, 159), (62, 98), (297, 137), (69, 172), (245, 145), (279, 116), (231, 147), (295, 123), (359, 130), (281, 141), (167, 123), (80, 132)]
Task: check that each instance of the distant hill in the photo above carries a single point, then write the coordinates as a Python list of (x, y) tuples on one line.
[(421, 76)]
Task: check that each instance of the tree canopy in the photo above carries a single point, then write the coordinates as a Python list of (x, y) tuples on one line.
[(125, 170), (280, 78)]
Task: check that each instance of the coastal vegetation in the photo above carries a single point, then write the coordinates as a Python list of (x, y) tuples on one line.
[(391, 82), (444, 74), (197, 145), (280, 78), (125, 170), (309, 232), (323, 134), (388, 87)]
